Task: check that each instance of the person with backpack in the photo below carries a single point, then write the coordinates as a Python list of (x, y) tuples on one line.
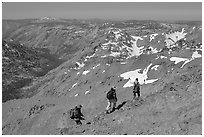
[(136, 89), (76, 114), (112, 99)]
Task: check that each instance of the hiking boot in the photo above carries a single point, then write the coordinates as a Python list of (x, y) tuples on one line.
[(88, 123)]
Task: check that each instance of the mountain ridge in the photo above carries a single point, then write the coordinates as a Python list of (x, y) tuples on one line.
[(171, 104)]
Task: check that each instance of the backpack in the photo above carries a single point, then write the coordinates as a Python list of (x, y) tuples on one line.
[(72, 113), (110, 94), (75, 113)]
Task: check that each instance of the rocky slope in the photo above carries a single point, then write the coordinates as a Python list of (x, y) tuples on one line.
[(20, 66), (39, 45), (59, 37), (167, 60), (8, 26)]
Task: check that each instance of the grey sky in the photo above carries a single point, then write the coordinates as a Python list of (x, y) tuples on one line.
[(104, 10)]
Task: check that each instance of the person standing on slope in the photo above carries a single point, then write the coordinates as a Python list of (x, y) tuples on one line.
[(76, 114), (136, 88), (112, 99)]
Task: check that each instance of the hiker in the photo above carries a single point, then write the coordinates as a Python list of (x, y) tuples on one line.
[(76, 114), (112, 99), (136, 89)]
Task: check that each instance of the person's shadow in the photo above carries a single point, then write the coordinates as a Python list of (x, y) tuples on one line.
[(121, 105), (118, 107)]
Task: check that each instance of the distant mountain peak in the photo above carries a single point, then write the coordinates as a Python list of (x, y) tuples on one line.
[(47, 18)]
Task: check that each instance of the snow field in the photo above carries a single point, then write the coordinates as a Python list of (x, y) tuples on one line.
[(186, 60), (142, 77)]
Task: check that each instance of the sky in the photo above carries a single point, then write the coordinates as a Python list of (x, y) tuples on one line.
[(105, 10)]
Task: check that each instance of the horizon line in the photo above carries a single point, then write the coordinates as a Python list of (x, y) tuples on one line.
[(104, 19)]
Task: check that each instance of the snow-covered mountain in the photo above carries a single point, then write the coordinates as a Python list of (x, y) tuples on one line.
[(167, 62)]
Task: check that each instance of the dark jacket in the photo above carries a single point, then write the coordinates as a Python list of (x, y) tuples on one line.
[(76, 113), (136, 87), (111, 94)]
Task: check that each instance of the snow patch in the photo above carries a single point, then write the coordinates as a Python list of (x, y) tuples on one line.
[(87, 92), (161, 57), (178, 59), (103, 56), (7, 45), (104, 47), (80, 65), (186, 62), (65, 72), (96, 66), (88, 57), (136, 50), (155, 67), (142, 77), (174, 37), (196, 55), (85, 72), (150, 81), (123, 62), (105, 44), (74, 85), (153, 50), (152, 36), (114, 54), (117, 34), (76, 95), (79, 31)]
